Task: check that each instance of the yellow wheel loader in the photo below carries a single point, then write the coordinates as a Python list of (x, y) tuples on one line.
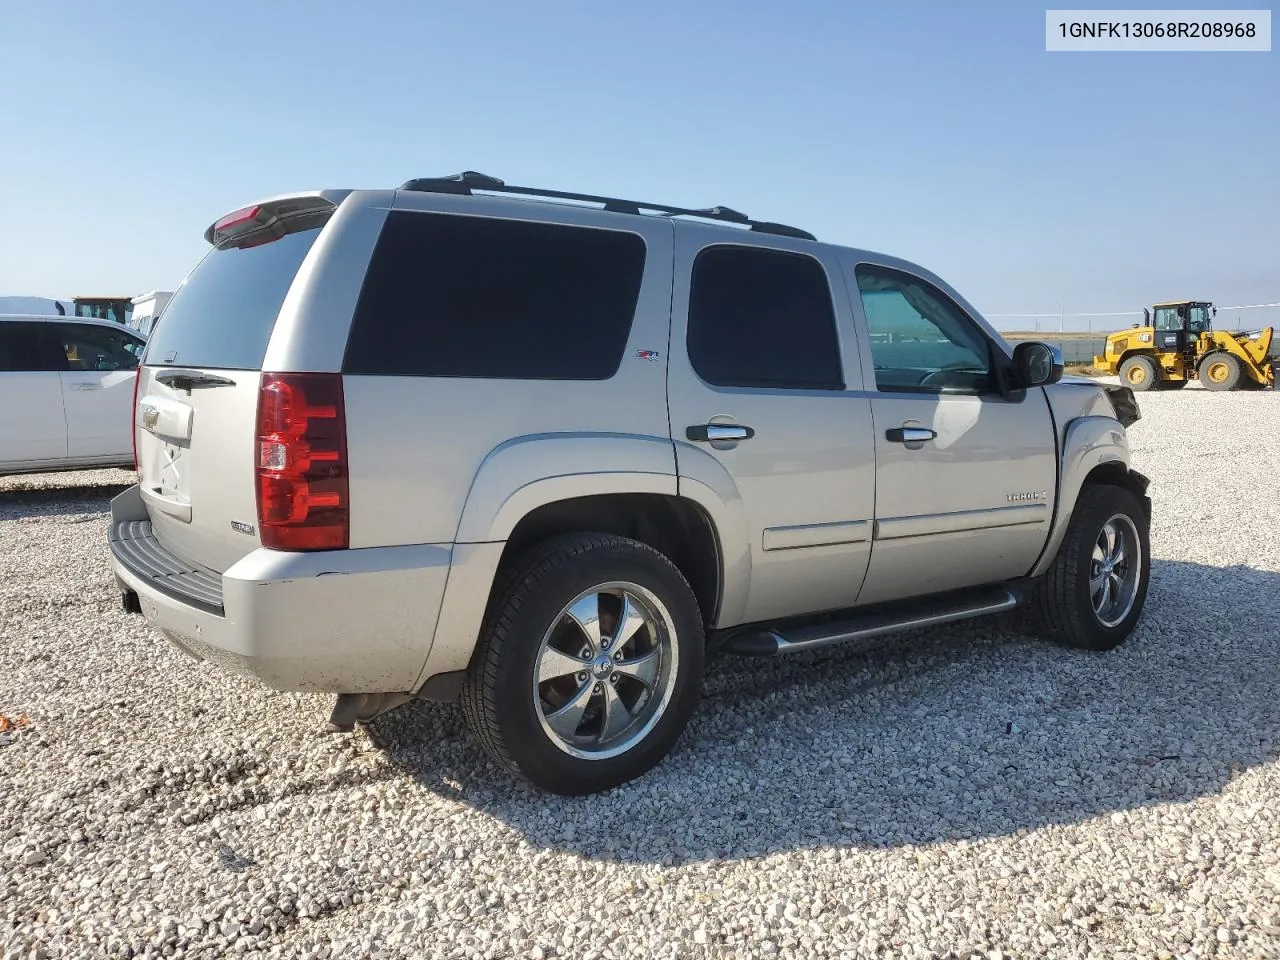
[(1181, 345)]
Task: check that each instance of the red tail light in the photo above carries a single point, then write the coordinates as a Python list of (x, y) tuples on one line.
[(301, 457), (133, 416)]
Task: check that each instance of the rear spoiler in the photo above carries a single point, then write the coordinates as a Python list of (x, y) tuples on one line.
[(273, 218)]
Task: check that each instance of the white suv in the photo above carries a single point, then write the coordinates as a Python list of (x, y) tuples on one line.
[(66, 389), (454, 440)]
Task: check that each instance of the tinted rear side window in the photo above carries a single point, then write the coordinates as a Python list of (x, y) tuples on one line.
[(28, 348), (455, 296), (224, 313), (762, 318)]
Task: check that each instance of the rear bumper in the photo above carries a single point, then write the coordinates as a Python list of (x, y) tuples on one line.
[(345, 621)]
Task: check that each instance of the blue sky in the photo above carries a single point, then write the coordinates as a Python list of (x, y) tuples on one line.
[(938, 131)]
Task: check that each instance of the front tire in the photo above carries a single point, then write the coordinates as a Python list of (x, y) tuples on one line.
[(1094, 592), (1139, 374), (589, 666), (1221, 371)]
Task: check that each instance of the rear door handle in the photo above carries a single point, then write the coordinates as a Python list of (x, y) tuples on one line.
[(909, 434), (708, 432), (82, 385)]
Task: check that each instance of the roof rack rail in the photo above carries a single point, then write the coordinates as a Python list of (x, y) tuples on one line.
[(469, 180)]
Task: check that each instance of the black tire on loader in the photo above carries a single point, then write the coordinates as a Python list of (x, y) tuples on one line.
[(1139, 374), (1221, 371)]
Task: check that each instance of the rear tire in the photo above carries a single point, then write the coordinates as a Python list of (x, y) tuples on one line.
[(1221, 371), (589, 665), (1139, 374), (1094, 592)]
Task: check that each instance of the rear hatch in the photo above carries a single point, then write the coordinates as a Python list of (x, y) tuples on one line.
[(196, 415)]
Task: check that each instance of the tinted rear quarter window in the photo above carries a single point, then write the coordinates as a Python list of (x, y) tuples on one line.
[(762, 318), (465, 296), (223, 315)]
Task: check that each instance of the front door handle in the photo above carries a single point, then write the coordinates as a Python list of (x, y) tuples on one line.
[(909, 434), (707, 432)]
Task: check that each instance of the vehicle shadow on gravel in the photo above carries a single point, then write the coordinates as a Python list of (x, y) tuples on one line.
[(18, 503), (966, 732)]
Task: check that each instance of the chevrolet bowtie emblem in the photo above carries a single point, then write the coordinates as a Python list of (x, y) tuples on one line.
[(150, 417)]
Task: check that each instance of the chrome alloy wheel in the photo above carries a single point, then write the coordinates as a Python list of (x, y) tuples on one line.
[(1115, 570), (605, 671)]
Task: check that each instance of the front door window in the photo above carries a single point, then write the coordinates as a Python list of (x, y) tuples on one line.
[(920, 341)]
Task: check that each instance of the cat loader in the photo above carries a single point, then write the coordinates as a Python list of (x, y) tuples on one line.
[(1180, 345)]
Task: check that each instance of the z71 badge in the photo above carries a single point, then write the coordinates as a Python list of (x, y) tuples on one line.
[(240, 527)]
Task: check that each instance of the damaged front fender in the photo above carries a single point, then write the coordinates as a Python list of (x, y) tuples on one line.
[(1125, 404)]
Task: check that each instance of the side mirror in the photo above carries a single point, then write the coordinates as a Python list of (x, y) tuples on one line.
[(1037, 364)]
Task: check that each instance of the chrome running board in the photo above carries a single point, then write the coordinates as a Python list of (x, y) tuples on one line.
[(771, 641)]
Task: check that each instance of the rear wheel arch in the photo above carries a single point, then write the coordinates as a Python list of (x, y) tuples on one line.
[(1137, 352), (515, 505), (676, 527)]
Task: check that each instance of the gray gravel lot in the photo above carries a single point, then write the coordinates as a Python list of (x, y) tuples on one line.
[(958, 792)]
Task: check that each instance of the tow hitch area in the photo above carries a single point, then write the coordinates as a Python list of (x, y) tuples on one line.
[(351, 708), (129, 600)]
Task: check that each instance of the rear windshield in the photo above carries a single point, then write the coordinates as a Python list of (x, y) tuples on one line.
[(222, 316)]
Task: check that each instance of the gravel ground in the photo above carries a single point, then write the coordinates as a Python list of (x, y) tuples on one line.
[(954, 793)]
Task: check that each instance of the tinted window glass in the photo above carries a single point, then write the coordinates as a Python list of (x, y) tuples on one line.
[(89, 347), (920, 340), (762, 318), (223, 314), (449, 296), (26, 347)]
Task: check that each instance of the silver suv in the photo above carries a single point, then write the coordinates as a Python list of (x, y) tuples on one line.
[(546, 452)]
